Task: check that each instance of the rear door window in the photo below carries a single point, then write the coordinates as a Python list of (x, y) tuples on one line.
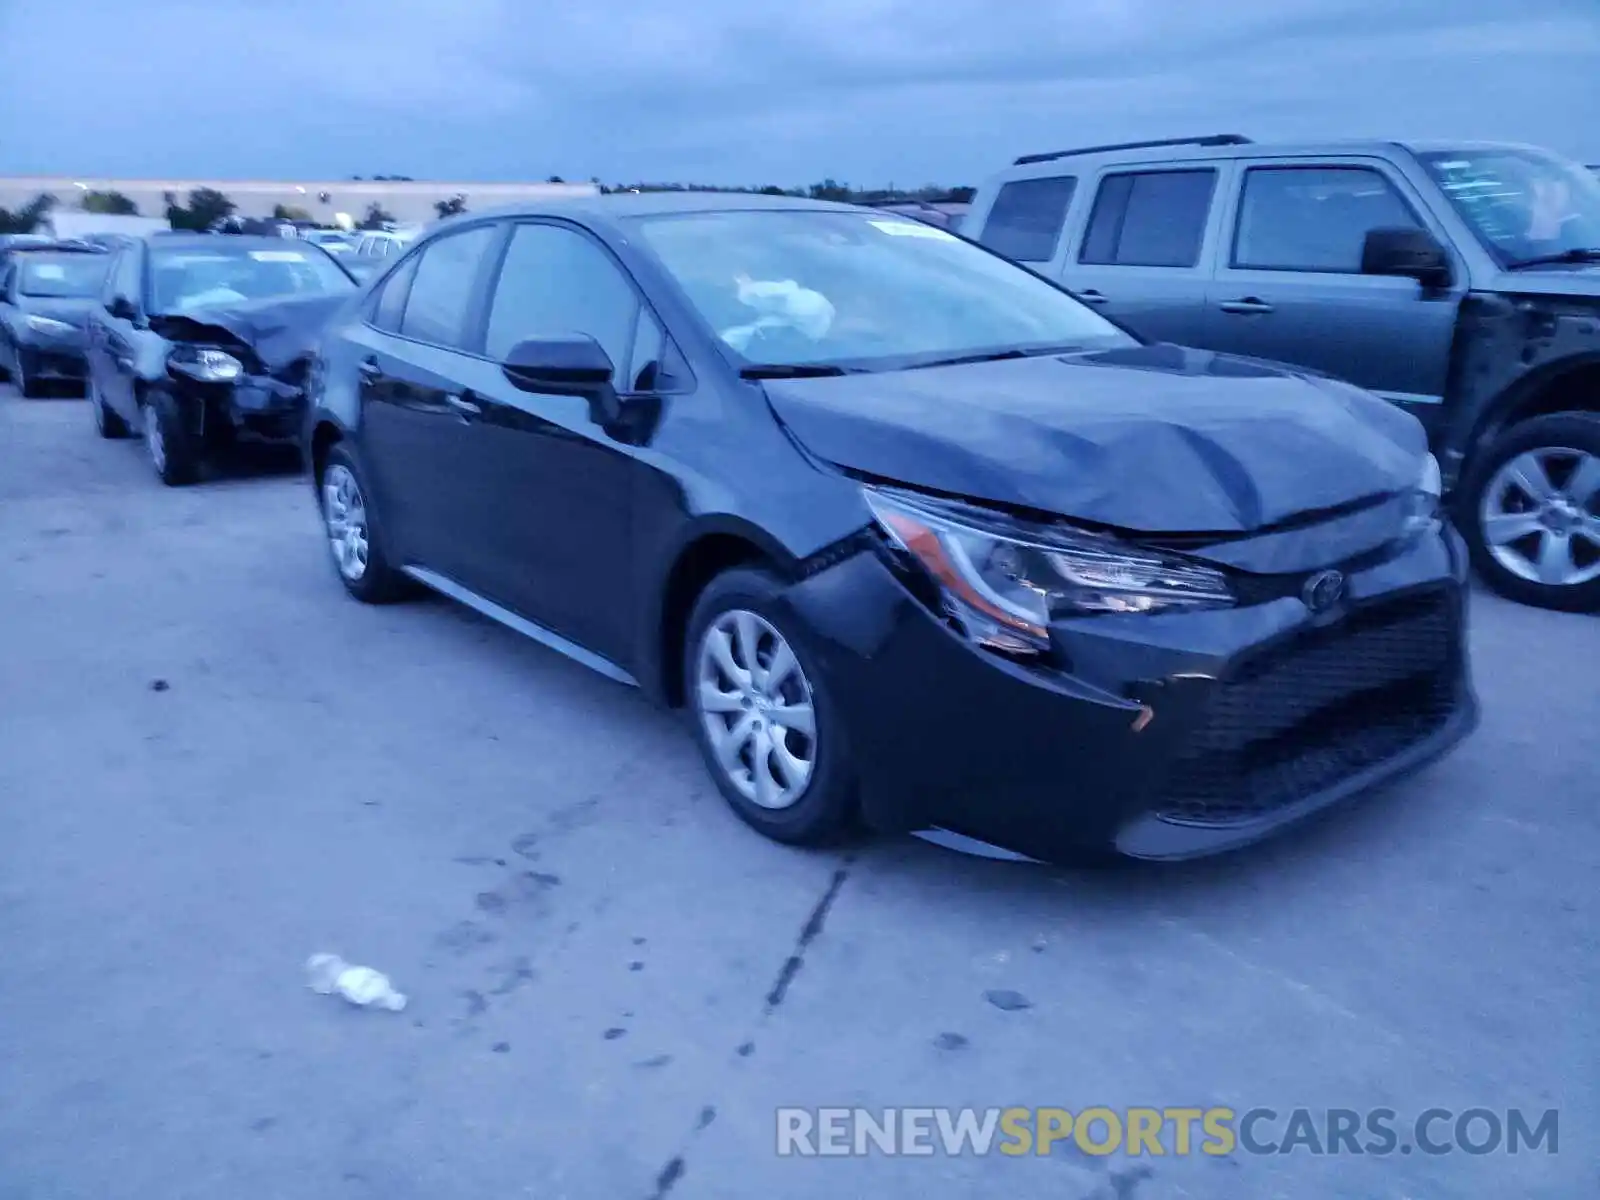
[(1026, 219), (1149, 219), (444, 285)]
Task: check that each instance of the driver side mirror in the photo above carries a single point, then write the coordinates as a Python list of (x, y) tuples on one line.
[(1408, 253), (570, 365), (123, 309)]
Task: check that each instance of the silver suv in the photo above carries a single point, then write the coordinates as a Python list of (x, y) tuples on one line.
[(1461, 281)]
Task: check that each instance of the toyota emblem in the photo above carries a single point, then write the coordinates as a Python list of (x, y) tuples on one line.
[(1323, 590)]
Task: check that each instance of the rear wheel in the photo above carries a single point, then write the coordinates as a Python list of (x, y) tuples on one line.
[(1530, 511), (771, 736), (106, 423), (355, 537)]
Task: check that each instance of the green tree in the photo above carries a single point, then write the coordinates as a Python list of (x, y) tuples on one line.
[(206, 207), (289, 212), (452, 207), (114, 203), (828, 189), (377, 216), (26, 219)]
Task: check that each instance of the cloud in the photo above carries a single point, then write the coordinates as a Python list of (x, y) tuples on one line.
[(871, 91)]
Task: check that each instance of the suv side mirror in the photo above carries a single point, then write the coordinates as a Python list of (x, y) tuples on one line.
[(570, 365), (1409, 253), (123, 309)]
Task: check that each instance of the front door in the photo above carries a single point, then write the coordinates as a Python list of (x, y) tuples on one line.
[(563, 501), (1289, 286)]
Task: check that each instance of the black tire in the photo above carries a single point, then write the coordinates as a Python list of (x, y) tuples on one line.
[(827, 805), (1578, 432), (381, 582), (178, 460), (27, 386), (107, 424)]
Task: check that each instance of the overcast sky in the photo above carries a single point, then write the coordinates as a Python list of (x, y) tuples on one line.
[(869, 92)]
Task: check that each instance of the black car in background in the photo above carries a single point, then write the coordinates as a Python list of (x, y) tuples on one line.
[(47, 291), (201, 342), (909, 530)]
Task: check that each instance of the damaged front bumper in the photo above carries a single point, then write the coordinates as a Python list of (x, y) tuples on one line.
[(1151, 736), (54, 357), (251, 408)]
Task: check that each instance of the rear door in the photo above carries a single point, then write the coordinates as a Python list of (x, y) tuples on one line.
[(415, 423), (1145, 253), (1289, 285)]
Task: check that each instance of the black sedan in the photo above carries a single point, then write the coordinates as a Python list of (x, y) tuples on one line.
[(202, 342), (46, 294), (910, 532)]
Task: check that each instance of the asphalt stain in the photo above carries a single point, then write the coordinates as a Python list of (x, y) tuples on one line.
[(477, 1005), (668, 1179), (708, 1114), (262, 1124), (1007, 1001), (950, 1041), (636, 965), (808, 933), (614, 1033), (465, 936), (1123, 1183), (491, 902), (160, 685), (474, 860), (526, 845), (501, 1047), (746, 1049), (638, 941), (650, 1064), (513, 975)]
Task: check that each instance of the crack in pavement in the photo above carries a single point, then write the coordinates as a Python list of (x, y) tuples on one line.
[(669, 1175)]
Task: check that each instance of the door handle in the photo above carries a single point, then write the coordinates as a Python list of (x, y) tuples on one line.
[(1092, 296), (369, 369), (1248, 305), (462, 405)]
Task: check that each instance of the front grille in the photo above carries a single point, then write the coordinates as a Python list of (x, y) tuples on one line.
[(1300, 718)]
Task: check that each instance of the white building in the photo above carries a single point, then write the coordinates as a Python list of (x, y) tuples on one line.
[(321, 198)]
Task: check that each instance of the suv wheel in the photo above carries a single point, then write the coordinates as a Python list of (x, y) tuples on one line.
[(354, 537), (771, 736), (172, 449), (106, 423), (1530, 511)]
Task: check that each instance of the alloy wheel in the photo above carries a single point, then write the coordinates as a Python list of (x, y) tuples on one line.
[(97, 410), (1541, 516), (344, 512), (757, 709)]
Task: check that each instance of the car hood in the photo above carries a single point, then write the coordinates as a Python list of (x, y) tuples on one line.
[(1153, 439), (278, 330), (1577, 280), (73, 310)]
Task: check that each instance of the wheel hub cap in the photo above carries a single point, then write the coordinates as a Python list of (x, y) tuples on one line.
[(1541, 516), (757, 709), (344, 511)]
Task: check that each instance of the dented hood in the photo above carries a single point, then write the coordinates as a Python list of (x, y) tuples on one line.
[(1154, 439), (279, 330)]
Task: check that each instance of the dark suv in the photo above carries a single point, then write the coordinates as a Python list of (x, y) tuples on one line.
[(908, 529), (1460, 280)]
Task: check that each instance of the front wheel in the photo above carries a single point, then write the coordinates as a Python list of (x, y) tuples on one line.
[(106, 423), (1530, 512), (174, 451), (771, 736)]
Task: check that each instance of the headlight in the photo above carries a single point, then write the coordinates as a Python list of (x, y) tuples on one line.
[(208, 366), (1422, 514), (1004, 580), (49, 325)]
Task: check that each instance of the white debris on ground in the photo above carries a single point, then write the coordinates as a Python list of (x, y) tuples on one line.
[(329, 975)]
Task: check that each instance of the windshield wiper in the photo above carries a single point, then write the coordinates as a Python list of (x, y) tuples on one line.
[(795, 371), (1583, 254), (999, 356)]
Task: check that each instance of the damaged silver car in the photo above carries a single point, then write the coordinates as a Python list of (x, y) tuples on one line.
[(202, 342)]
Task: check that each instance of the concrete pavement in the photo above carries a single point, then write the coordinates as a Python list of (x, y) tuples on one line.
[(212, 764)]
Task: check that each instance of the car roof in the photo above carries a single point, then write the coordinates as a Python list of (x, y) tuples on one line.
[(209, 241), (648, 204)]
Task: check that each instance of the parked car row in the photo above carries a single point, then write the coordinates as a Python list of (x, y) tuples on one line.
[(1461, 281), (913, 534)]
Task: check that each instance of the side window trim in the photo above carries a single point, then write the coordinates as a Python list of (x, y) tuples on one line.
[(1221, 173), (1396, 182), (668, 343)]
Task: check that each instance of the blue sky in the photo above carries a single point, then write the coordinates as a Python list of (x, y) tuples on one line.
[(871, 92)]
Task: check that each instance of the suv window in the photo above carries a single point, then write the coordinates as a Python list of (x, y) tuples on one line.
[(1149, 219), (1313, 218), (124, 281), (1025, 222), (391, 304), (442, 287), (555, 280)]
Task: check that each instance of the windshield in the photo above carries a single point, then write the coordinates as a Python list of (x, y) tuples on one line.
[(1522, 204), (185, 279), (64, 276), (869, 289)]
